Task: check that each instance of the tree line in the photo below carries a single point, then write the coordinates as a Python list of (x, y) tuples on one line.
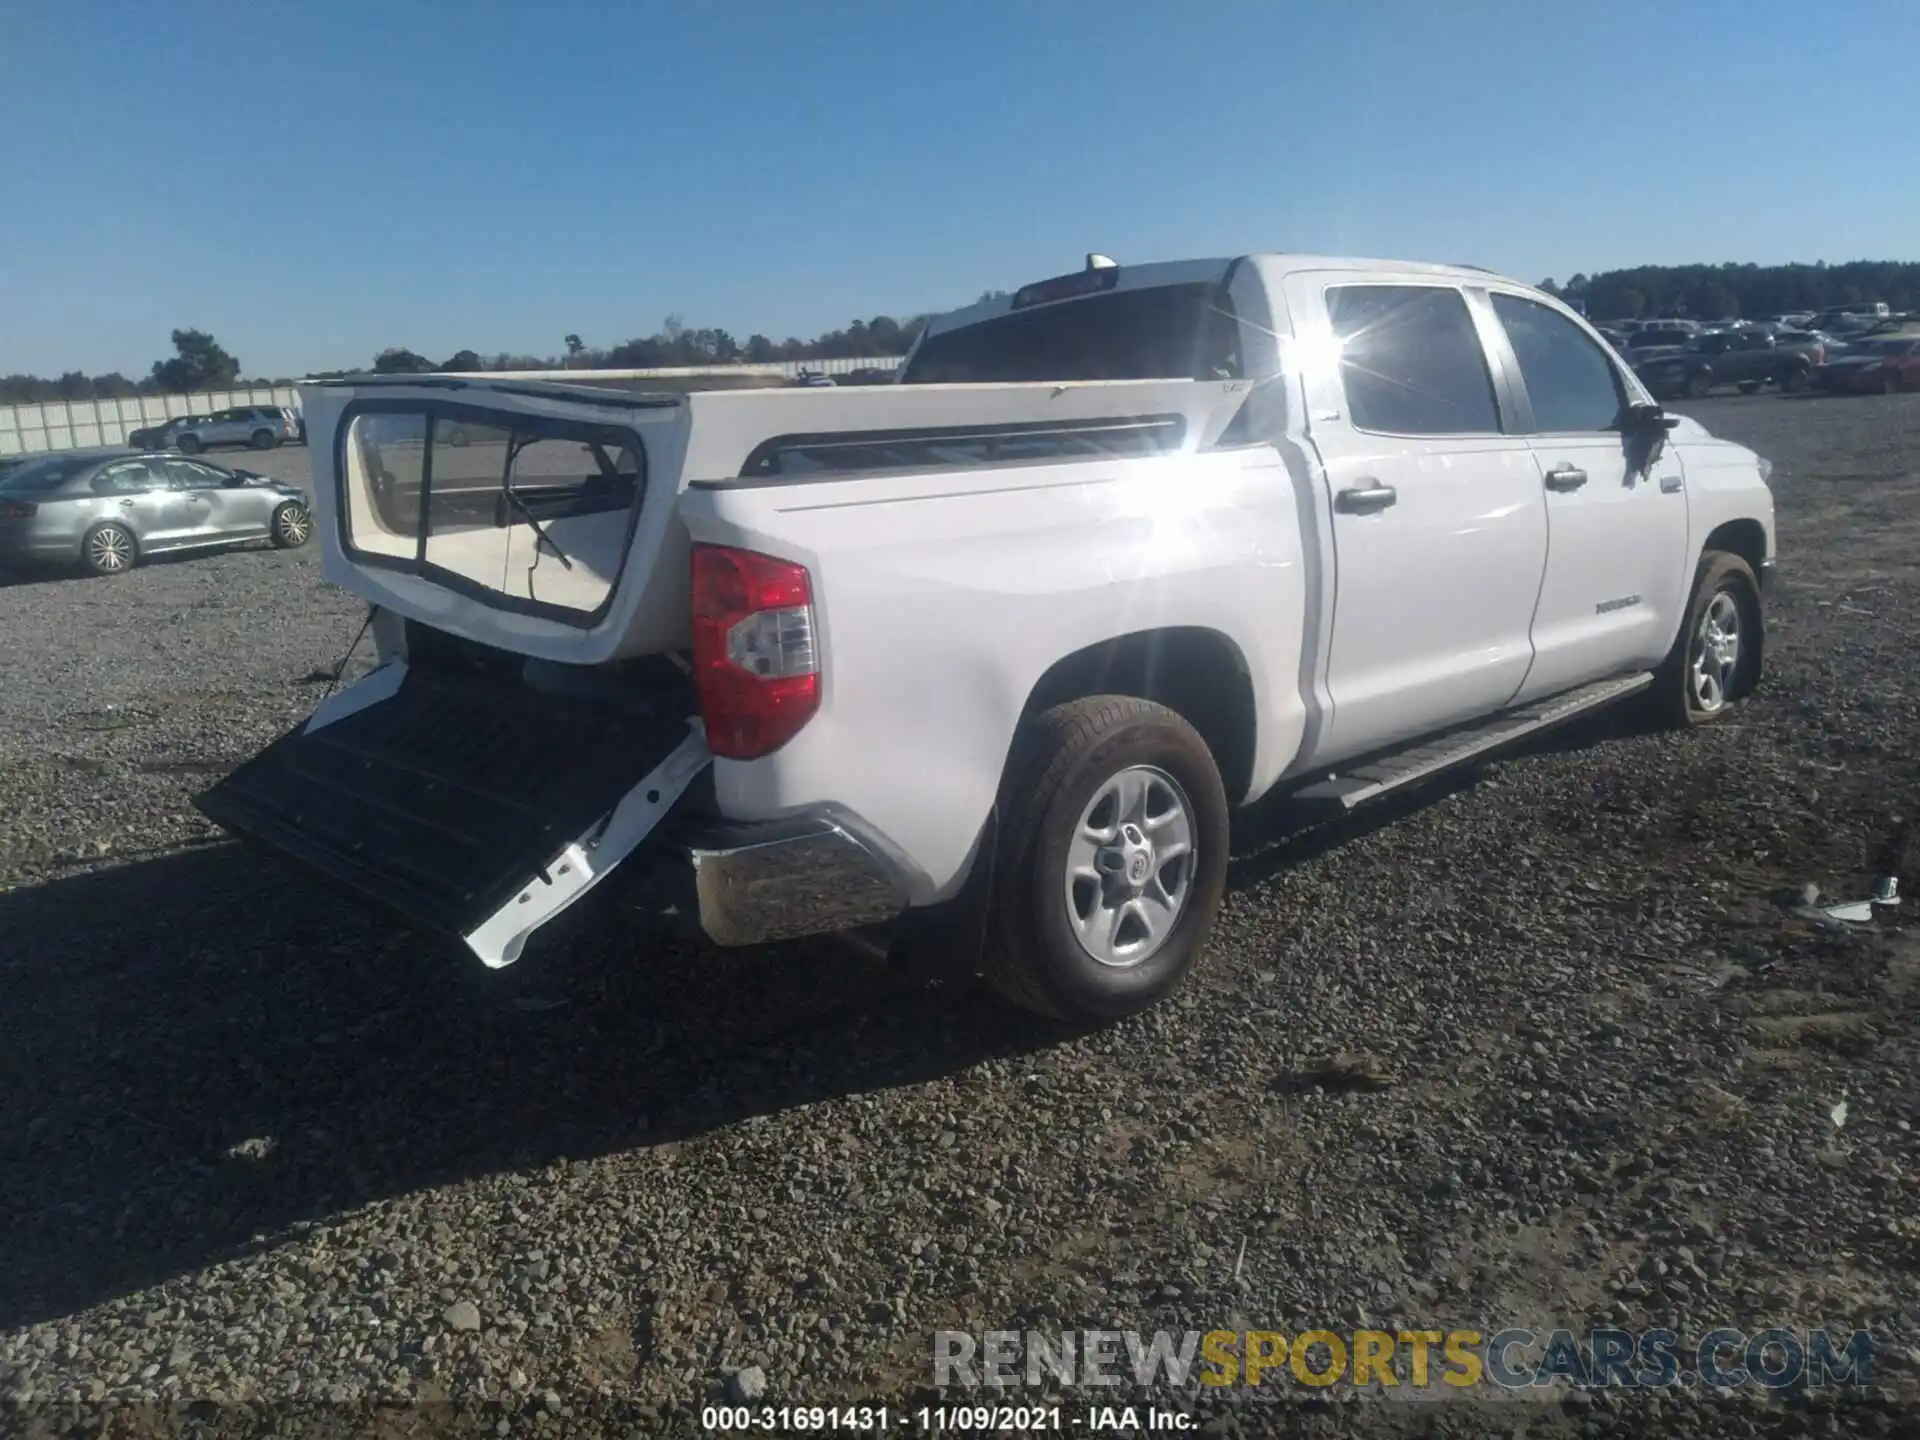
[(1734, 292), (200, 363), (1701, 292), (675, 343)]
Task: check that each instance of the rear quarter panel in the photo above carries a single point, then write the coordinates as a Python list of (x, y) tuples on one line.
[(942, 598)]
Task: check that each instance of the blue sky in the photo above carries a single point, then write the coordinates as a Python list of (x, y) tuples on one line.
[(314, 181)]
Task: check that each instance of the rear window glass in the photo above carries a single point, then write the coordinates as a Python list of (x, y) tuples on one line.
[(530, 514), (1163, 332), (37, 477)]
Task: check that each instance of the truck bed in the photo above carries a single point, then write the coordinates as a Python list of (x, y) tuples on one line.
[(429, 532)]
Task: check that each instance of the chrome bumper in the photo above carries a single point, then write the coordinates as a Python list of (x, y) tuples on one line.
[(782, 880)]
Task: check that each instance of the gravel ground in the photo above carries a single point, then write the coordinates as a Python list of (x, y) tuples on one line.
[(1545, 1045)]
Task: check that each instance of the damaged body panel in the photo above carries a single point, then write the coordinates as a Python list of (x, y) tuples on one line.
[(475, 806)]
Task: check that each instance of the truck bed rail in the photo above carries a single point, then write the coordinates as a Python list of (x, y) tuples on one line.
[(959, 445)]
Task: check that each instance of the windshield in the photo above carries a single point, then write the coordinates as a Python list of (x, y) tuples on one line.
[(37, 477), (1161, 332)]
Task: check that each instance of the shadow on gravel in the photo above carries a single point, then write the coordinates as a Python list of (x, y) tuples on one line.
[(1275, 834), (214, 1052)]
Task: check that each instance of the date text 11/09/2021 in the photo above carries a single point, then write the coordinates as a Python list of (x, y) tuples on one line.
[(939, 1419)]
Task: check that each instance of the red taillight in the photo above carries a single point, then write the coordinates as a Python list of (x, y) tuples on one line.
[(753, 650), (18, 510)]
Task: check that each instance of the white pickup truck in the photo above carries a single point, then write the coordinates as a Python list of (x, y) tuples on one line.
[(1120, 551)]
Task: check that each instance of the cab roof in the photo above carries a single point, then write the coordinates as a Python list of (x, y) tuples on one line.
[(1212, 271)]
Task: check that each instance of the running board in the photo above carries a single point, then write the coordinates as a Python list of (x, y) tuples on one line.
[(1390, 772)]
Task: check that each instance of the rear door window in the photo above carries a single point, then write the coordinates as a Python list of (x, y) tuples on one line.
[(1571, 383), (1411, 362), (133, 478)]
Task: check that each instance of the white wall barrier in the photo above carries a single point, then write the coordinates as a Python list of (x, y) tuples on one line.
[(80, 424)]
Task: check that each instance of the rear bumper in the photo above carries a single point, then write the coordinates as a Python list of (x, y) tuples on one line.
[(779, 880), (20, 546), (483, 808)]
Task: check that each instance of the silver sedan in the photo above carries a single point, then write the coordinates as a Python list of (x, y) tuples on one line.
[(106, 510)]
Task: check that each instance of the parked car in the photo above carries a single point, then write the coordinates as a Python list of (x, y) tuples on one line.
[(1747, 359), (1817, 340), (1879, 365), (106, 510), (1660, 336), (1847, 320), (1009, 648), (261, 427), (164, 436)]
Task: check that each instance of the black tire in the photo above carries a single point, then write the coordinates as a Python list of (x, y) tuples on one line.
[(1062, 759), (263, 440), (1796, 380), (292, 526), (1674, 697), (1889, 382), (190, 444), (1699, 384), (1748, 387), (109, 549)]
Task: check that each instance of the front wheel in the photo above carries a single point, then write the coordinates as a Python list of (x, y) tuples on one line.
[(292, 525), (190, 445), (1111, 861), (1698, 384), (1796, 381), (1716, 658)]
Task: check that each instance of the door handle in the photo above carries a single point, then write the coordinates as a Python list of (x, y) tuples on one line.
[(1365, 498), (1566, 477)]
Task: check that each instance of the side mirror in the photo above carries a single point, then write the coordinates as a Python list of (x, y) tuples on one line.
[(1644, 431)]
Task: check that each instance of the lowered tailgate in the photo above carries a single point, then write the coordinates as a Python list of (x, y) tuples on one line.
[(473, 805)]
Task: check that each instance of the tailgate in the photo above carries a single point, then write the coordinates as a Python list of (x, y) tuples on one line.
[(473, 805)]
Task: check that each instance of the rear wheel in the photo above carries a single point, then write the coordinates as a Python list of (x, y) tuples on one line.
[(190, 444), (1716, 658), (292, 525), (264, 440), (1111, 860), (109, 549)]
